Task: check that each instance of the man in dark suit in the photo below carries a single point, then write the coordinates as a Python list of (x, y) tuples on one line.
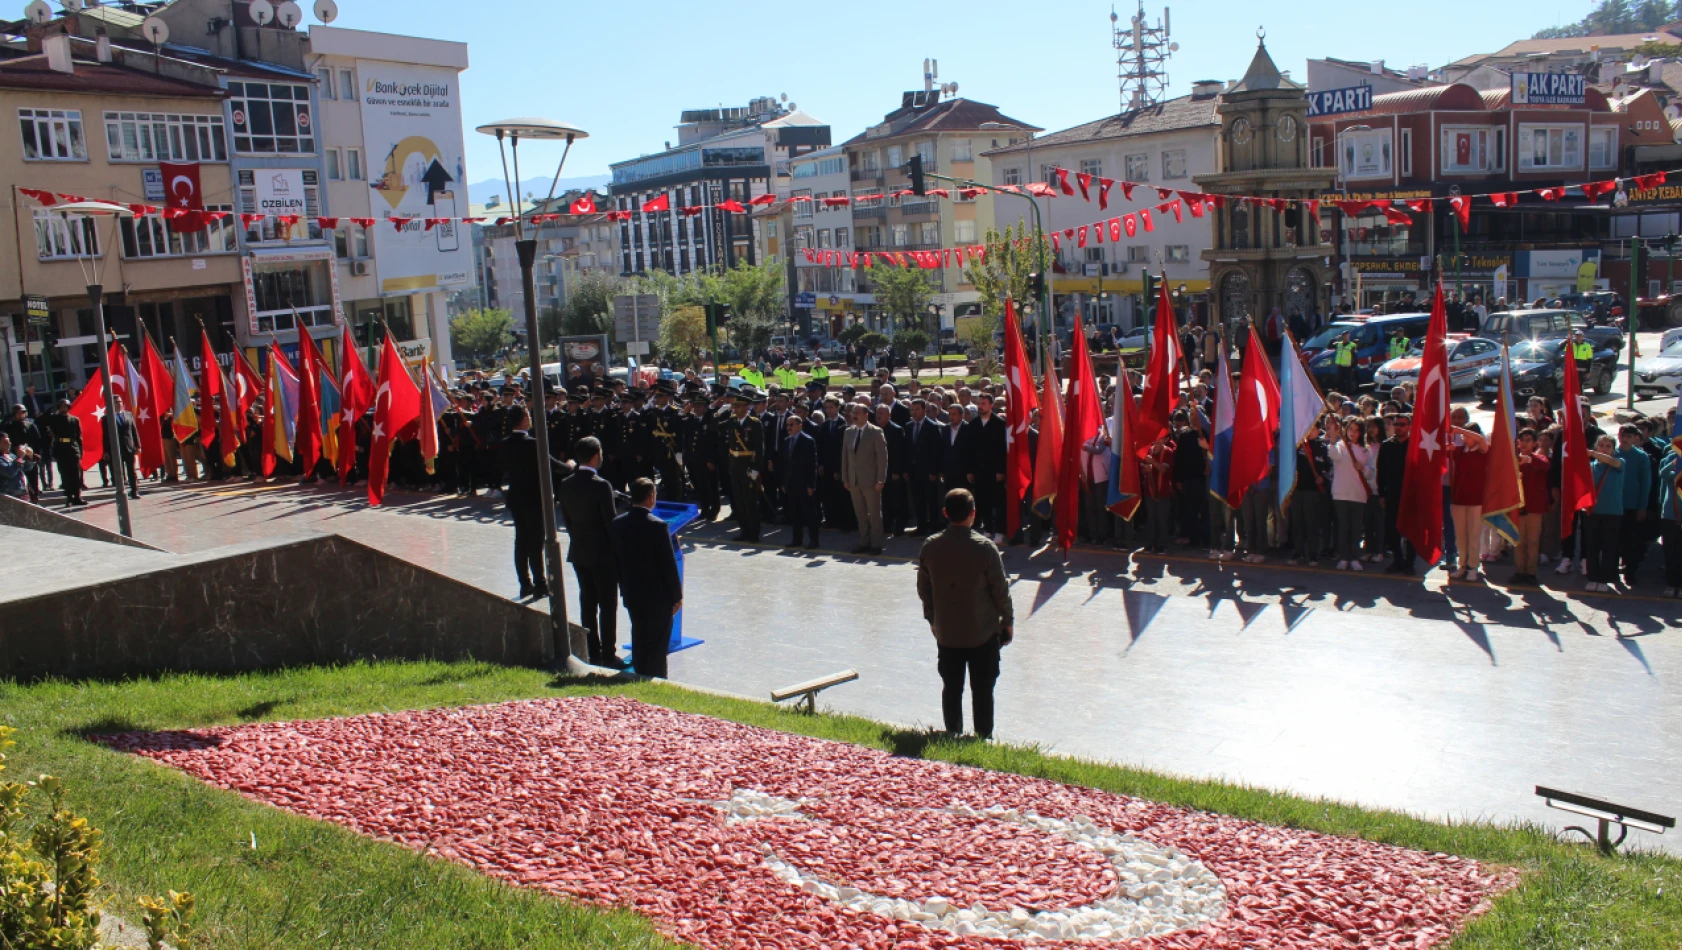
[(128, 444), (955, 454), (586, 502), (966, 600), (517, 459), (837, 504), (988, 451), (799, 467), (652, 591), (896, 504), (925, 440)]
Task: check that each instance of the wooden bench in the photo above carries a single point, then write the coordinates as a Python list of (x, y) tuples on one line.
[(1607, 814), (809, 690)]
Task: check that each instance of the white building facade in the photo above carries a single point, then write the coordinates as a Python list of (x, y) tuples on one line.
[(824, 294)]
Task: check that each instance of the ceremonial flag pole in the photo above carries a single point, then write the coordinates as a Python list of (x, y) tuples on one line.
[(1503, 489)]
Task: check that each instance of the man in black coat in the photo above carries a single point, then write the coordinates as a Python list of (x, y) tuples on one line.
[(653, 591), (66, 432), (896, 504), (988, 453), (837, 504), (518, 461), (586, 502), (925, 440), (955, 450), (799, 467), (128, 444), (1392, 476)]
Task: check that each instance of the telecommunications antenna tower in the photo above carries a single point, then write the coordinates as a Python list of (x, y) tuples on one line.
[(1142, 53)]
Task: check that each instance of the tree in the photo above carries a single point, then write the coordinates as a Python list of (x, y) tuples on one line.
[(904, 292), (756, 295), (683, 335), (906, 342), (1619, 16), (588, 308), (478, 334), (852, 332), (1012, 255), (872, 340)]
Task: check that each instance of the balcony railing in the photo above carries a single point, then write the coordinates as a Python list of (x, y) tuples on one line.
[(865, 174), (874, 212)]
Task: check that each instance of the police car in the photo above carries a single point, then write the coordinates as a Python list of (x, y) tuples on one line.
[(1467, 356), (1660, 375)]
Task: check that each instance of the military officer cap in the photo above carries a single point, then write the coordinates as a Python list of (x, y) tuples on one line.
[(579, 394), (601, 392), (748, 395), (719, 389), (666, 386)]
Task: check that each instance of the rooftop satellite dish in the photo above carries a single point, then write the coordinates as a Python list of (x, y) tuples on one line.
[(262, 11), (326, 11), (39, 13), (785, 97), (155, 30), (71, 6), (288, 14)]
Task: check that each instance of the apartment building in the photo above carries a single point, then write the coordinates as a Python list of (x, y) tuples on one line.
[(822, 295), (954, 136)]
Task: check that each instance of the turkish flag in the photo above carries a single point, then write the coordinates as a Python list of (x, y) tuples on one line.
[(356, 390), (766, 199), (210, 389), (1576, 476), (662, 203), (181, 185), (1255, 423), (1420, 517), (586, 204), (89, 409), (306, 444), (732, 205), (396, 406), (248, 385), (1162, 373), (1082, 419), (154, 395)]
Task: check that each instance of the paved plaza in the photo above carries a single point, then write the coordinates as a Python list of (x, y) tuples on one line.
[(1448, 702)]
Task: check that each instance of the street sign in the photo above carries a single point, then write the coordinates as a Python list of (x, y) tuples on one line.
[(637, 349), (152, 182), (636, 317), (807, 300), (1339, 101)]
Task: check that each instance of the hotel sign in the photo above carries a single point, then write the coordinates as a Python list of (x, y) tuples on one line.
[(1549, 89), (1339, 101)]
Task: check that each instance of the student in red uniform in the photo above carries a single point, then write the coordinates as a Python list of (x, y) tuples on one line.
[(1538, 501), (1468, 461), (1157, 480)]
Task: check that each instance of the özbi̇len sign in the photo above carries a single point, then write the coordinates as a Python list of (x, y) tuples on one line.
[(411, 124)]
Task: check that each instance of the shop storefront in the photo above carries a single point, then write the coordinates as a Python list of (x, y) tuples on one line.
[(290, 287)]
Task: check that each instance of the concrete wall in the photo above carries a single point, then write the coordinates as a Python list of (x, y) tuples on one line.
[(317, 600), (22, 514)]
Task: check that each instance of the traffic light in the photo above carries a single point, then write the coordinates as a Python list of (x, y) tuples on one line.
[(1150, 292), (919, 187), (1036, 285), (717, 315)]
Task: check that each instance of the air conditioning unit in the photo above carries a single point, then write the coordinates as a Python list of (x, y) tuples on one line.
[(359, 268), (1120, 267)]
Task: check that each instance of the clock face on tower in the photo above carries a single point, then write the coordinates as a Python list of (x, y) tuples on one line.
[(1241, 130), (1287, 128)]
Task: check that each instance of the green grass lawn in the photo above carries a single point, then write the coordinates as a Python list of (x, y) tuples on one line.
[(307, 884)]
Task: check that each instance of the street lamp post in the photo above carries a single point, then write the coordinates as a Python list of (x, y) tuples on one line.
[(513, 130), (96, 299)]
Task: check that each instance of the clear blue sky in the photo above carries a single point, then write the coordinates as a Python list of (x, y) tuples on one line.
[(623, 71)]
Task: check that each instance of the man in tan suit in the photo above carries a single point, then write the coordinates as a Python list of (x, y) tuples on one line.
[(966, 599), (864, 470)]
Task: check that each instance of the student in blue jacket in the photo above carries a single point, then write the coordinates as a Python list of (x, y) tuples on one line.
[(1600, 535)]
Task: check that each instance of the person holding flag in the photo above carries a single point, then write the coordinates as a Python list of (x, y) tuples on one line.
[(280, 421), (186, 419), (1019, 462), (1419, 517), (1162, 375), (1576, 479), (1503, 486), (356, 396), (1304, 461), (1222, 544), (155, 400), (1123, 496), (1082, 418), (1048, 460), (396, 406), (306, 447), (1255, 432)]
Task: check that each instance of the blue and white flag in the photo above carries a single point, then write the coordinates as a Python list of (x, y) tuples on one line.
[(1300, 406), (1220, 441)]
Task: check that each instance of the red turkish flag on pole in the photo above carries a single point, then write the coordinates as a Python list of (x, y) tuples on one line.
[(238, 395), (210, 389), (306, 445), (154, 396), (396, 406), (135, 394), (1420, 517), (662, 203), (586, 204), (1576, 477), (89, 409), (1082, 418), (1162, 373), (356, 394), (1019, 407), (248, 384), (1255, 422), (185, 194)]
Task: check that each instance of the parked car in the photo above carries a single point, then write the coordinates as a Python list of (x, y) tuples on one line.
[(1539, 370), (949, 342), (1372, 344), (1519, 325), (832, 350), (1661, 375), (1600, 306), (1467, 356)]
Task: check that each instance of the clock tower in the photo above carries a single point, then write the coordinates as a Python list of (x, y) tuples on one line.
[(1259, 257)]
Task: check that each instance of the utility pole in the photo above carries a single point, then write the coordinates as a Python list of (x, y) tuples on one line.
[(1631, 315)]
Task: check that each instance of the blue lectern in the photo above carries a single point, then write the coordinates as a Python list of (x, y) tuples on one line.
[(676, 515)]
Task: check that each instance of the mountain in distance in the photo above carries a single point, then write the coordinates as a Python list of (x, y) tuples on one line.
[(481, 191)]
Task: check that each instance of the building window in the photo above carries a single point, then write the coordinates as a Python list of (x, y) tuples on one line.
[(896, 156), (1092, 166), (802, 209), (962, 150), (52, 135), (155, 137), (1138, 253), (334, 160), (870, 236), (1138, 167), (1603, 151), (899, 235), (1010, 176), (1174, 163), (1178, 252), (963, 231), (1094, 255), (823, 238), (770, 229), (928, 233), (272, 118), (1500, 148), (324, 80), (1406, 150), (149, 236), (802, 235), (841, 237), (867, 161), (1048, 173), (1550, 147), (353, 164), (347, 85), (1365, 154), (926, 150), (63, 237)]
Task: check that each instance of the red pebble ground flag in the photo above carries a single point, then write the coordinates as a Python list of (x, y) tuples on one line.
[(1082, 418), (1019, 376), (89, 407), (396, 406), (1576, 477), (356, 389), (1420, 517)]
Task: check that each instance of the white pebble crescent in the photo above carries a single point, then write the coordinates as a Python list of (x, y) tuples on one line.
[(1160, 890)]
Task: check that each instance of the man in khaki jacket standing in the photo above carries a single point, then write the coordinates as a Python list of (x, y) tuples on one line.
[(864, 470), (966, 599)]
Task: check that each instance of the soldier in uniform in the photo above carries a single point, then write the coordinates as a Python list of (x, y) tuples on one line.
[(487, 425), (744, 441), (452, 456), (66, 432), (633, 451), (555, 416), (699, 434), (610, 431), (662, 430)]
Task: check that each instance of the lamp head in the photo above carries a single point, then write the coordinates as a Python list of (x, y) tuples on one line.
[(533, 128)]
